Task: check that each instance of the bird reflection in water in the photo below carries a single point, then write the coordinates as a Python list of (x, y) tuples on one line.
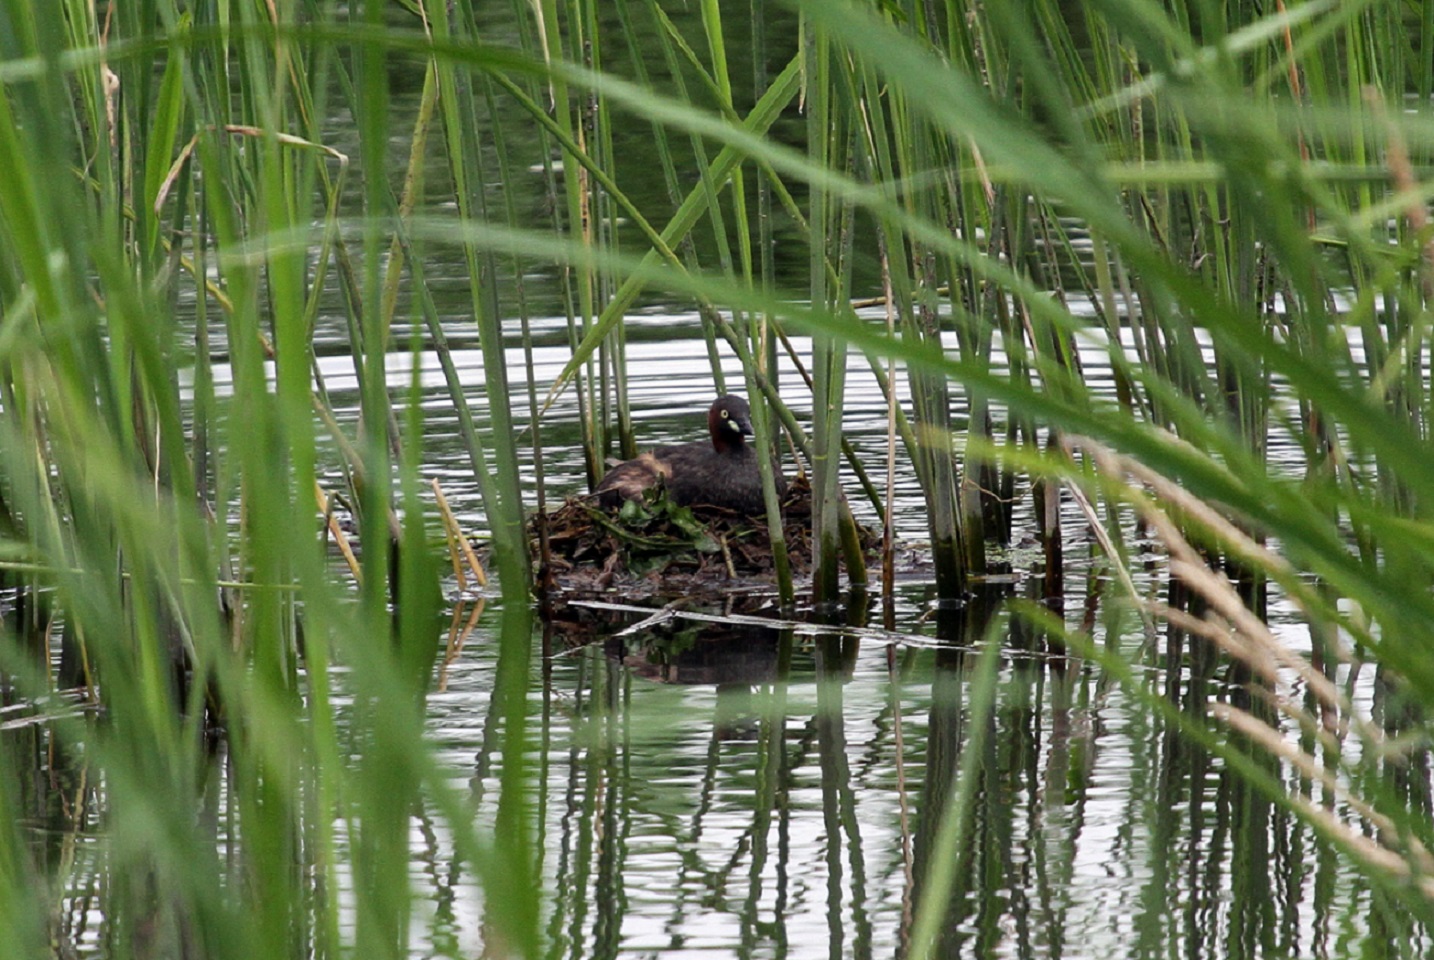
[(731, 657)]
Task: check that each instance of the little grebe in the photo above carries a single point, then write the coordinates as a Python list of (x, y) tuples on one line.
[(720, 474)]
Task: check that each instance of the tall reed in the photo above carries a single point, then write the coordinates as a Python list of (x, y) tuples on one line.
[(1237, 195)]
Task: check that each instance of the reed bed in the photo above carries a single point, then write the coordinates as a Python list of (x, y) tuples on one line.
[(1231, 198)]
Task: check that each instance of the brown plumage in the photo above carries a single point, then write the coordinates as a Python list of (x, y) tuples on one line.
[(722, 473)]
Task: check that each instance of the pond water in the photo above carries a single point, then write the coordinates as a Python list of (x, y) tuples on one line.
[(771, 790), (750, 791)]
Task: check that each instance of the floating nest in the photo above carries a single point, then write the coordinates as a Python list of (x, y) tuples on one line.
[(653, 546)]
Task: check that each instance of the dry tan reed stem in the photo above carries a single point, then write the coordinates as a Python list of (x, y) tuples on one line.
[(1215, 587), (1374, 853), (340, 538), (457, 542), (1401, 171), (458, 637), (1222, 636), (1246, 636), (888, 521), (1107, 543), (238, 130), (412, 190), (727, 557)]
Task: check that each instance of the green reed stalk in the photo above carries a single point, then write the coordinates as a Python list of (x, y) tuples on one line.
[(604, 209), (461, 111), (763, 337), (983, 486), (760, 359), (515, 912), (382, 923), (762, 116), (950, 840), (575, 209), (766, 337), (676, 52), (1163, 291), (757, 361), (592, 426), (892, 145), (826, 355), (507, 173), (133, 648), (668, 39)]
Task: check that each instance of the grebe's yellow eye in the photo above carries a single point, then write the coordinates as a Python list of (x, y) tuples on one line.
[(725, 414)]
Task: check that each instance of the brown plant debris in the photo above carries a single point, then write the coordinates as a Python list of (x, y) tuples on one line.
[(655, 546)]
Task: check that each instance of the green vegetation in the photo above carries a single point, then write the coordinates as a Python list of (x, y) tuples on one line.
[(1231, 198)]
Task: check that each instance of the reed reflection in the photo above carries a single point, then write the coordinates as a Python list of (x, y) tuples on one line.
[(674, 824)]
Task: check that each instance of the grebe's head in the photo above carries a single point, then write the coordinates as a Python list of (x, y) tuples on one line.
[(729, 420)]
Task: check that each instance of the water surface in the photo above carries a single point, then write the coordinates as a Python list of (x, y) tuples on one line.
[(739, 792)]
